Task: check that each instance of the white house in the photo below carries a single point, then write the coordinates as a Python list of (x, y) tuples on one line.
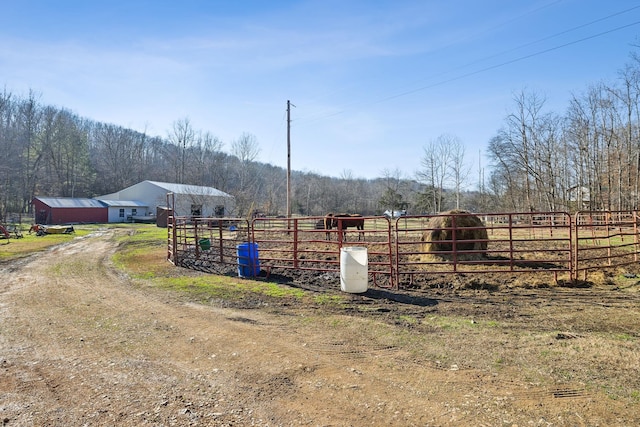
[(127, 210), (581, 195), (190, 200)]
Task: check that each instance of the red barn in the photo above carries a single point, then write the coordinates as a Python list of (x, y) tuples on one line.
[(67, 210)]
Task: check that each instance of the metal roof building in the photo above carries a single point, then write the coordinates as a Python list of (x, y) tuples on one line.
[(67, 210), (140, 201), (126, 210), (190, 200)]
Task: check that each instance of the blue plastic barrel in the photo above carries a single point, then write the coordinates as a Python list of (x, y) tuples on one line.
[(248, 262)]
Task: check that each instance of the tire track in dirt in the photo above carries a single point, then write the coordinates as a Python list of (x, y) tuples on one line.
[(140, 358), (83, 344)]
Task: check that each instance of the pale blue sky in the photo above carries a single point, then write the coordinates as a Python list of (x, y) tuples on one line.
[(372, 82)]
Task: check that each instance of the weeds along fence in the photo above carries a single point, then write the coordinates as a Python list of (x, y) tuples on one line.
[(407, 249)]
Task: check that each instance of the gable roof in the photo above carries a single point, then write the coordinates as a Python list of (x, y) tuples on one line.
[(189, 189)]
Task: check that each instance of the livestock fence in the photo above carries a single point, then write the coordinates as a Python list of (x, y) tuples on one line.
[(402, 251)]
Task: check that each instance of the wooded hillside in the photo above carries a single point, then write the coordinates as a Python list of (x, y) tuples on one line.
[(585, 158)]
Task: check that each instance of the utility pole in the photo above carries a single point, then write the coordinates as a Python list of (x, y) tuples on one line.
[(289, 104)]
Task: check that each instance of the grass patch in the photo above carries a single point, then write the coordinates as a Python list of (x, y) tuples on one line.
[(143, 252), (11, 249), (207, 288), (624, 337), (408, 320), (453, 323), (145, 234), (143, 255)]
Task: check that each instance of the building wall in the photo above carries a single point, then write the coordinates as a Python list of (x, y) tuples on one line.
[(114, 213), (44, 214), (184, 203), (151, 195), (41, 212), (154, 196), (81, 215)]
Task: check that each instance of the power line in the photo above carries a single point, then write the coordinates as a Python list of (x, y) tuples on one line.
[(570, 30), (502, 64)]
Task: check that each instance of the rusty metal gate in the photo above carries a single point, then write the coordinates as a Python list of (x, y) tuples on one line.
[(304, 244), (403, 249), (605, 240), (499, 243)]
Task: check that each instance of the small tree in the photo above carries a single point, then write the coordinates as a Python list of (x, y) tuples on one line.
[(182, 135), (458, 168), (392, 197), (436, 167), (246, 149)]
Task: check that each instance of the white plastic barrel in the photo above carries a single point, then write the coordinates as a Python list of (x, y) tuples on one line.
[(354, 269)]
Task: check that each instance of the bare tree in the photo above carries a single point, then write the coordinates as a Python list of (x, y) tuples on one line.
[(436, 167), (520, 135), (246, 149), (591, 134), (182, 135), (506, 177), (9, 167), (206, 152), (118, 155), (67, 164), (628, 95), (392, 198), (30, 119), (530, 155), (458, 167)]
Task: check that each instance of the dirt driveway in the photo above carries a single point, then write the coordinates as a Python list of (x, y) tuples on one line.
[(83, 345)]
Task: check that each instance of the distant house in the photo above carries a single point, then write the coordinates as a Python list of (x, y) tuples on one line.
[(580, 195), (190, 200), (66, 210)]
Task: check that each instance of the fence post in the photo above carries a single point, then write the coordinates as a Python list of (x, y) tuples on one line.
[(295, 243)]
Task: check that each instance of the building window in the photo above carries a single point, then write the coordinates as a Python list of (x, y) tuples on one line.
[(121, 213), (134, 212), (196, 210), (219, 211)]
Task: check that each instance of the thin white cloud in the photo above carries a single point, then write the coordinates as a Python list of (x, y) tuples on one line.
[(369, 73)]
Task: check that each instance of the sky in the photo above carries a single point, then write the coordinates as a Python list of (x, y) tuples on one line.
[(371, 82)]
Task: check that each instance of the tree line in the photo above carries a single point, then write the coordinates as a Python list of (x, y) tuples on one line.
[(53, 152), (586, 158)]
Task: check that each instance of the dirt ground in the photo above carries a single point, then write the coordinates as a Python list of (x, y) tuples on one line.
[(82, 344)]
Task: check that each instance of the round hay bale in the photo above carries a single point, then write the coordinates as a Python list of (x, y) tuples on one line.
[(458, 228)]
